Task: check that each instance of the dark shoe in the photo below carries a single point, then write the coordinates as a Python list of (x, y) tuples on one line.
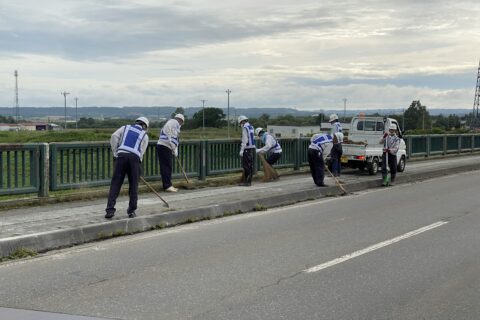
[(132, 214), (244, 184), (322, 185), (392, 183), (109, 215)]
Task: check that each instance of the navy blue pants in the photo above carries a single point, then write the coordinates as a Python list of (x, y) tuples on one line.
[(273, 157), (125, 164), (247, 164), (317, 166), (392, 163), (164, 155)]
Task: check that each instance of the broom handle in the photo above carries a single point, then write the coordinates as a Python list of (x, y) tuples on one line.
[(336, 180), (183, 171), (151, 188)]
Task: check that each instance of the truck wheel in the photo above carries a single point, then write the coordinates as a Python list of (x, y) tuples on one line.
[(401, 164), (373, 167)]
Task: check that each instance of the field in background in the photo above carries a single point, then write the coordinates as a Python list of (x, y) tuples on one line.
[(86, 135)]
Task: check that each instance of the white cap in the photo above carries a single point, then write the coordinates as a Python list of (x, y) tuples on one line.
[(180, 116), (339, 136), (242, 118), (392, 127), (333, 117), (258, 130), (144, 120)]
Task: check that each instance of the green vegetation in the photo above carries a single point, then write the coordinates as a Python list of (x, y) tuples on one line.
[(19, 253), (259, 207)]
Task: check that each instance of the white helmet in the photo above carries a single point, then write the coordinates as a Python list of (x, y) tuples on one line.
[(333, 117), (144, 120), (392, 126), (242, 118), (180, 116), (339, 136), (258, 130)]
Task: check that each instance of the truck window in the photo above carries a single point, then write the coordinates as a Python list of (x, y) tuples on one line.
[(370, 125), (360, 125)]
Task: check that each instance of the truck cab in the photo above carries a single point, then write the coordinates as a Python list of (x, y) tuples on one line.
[(363, 150)]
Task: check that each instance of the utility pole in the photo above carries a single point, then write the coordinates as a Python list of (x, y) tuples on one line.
[(17, 108), (76, 113), (203, 112), (344, 108), (64, 93), (228, 112)]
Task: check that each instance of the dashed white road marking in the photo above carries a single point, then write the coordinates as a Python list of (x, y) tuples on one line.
[(373, 247)]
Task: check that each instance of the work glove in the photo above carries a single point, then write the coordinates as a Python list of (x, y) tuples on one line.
[(241, 153), (175, 152), (385, 135)]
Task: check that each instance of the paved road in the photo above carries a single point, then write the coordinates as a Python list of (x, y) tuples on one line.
[(405, 252)]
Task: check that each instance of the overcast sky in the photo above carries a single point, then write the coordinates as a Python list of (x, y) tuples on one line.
[(270, 53)]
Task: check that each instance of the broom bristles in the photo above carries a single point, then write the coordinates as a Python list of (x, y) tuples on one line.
[(269, 172)]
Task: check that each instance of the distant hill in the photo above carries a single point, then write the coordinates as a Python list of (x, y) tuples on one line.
[(157, 112)]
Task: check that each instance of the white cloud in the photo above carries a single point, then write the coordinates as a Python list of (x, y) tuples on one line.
[(281, 54)]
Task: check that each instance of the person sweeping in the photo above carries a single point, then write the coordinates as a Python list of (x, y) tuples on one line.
[(271, 149), (128, 145)]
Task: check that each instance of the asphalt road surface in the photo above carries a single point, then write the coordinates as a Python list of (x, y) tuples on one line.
[(405, 252)]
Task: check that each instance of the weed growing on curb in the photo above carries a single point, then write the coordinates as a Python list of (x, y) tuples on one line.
[(259, 207), (19, 253)]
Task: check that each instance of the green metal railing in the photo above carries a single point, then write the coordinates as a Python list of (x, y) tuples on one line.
[(28, 168), (20, 168)]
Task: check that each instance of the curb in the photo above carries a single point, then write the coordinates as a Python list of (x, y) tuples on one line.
[(41, 242)]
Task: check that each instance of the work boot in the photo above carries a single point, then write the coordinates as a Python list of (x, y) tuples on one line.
[(171, 189), (109, 215), (322, 185), (385, 181), (132, 214), (245, 184)]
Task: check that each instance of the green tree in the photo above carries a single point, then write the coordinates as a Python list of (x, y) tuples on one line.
[(417, 117), (214, 118), (178, 110)]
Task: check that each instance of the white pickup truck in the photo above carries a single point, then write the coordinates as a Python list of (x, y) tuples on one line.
[(362, 150)]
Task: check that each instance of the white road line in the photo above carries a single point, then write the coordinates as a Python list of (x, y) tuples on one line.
[(373, 247)]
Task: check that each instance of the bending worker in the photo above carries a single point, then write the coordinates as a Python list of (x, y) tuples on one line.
[(336, 126), (166, 146), (246, 150), (319, 149), (271, 146), (391, 144), (128, 145)]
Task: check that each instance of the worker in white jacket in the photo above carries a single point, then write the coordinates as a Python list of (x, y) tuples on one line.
[(128, 145), (167, 145), (336, 126), (320, 147), (271, 147), (247, 147), (391, 144)]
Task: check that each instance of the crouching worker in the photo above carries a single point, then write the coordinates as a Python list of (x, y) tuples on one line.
[(391, 144), (247, 147), (271, 146), (320, 146), (128, 145), (336, 153)]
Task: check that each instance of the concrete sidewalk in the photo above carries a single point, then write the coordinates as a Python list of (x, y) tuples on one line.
[(53, 226)]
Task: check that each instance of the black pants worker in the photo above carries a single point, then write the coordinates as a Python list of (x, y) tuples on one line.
[(392, 163), (273, 157), (164, 155), (126, 164), (317, 166), (247, 165)]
